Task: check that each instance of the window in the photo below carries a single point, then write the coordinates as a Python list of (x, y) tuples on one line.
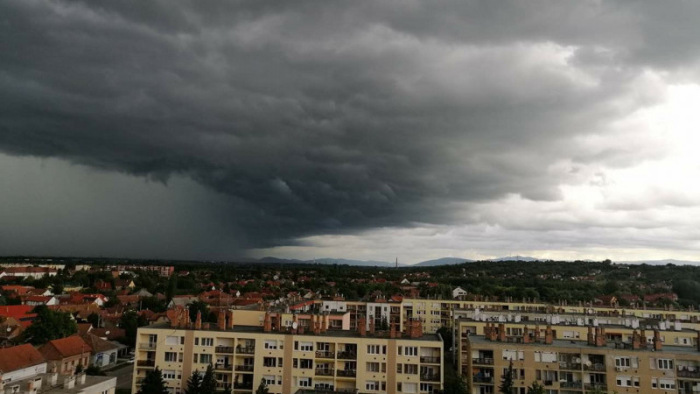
[(667, 384), (627, 381), (271, 345), (196, 341), (304, 382), (622, 361), (306, 346), (664, 363), (545, 357), (513, 355), (426, 387), (399, 368), (207, 341), (306, 363), (170, 357), (372, 385), (372, 367), (205, 358), (269, 361), (411, 369), (270, 379), (409, 388), (172, 340), (411, 350), (168, 374), (376, 349)]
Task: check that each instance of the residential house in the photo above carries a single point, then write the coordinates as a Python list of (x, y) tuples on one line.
[(459, 292), (104, 353), (65, 354), (20, 362)]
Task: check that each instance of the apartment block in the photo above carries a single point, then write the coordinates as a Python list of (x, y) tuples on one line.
[(292, 357), (603, 359)]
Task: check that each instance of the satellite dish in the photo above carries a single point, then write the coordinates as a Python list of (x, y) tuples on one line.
[(295, 325)]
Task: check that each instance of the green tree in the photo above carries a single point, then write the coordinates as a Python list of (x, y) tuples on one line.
[(153, 383), (194, 383), (209, 381), (506, 386), (130, 322), (94, 319), (535, 388), (198, 306), (262, 387), (50, 325)]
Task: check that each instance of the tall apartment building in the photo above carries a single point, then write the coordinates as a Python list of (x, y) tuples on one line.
[(292, 358), (579, 359)]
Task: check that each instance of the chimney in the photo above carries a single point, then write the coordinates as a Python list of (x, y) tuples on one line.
[(371, 325), (221, 320), (591, 337), (548, 335), (229, 325), (362, 326), (392, 331), (501, 332), (206, 325), (526, 335), (657, 341), (635, 340), (324, 323), (198, 322), (416, 329), (267, 324), (186, 318), (642, 339), (317, 324), (600, 336), (537, 333)]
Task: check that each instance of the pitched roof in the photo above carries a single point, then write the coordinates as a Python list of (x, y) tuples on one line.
[(19, 357), (98, 344), (65, 347)]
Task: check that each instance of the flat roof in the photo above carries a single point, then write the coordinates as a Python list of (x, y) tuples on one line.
[(309, 333)]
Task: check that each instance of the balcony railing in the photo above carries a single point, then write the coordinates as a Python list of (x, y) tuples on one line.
[(571, 385), (565, 365), (245, 350), (243, 386), (482, 379), (689, 374), (430, 360), (245, 368), (222, 366), (483, 361), (596, 386), (432, 377), (324, 371), (146, 363), (147, 346), (224, 349), (325, 354), (348, 373), (594, 367), (347, 355)]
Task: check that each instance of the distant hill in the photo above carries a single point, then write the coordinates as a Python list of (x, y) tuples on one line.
[(443, 261), (660, 262), (329, 261), (516, 258)]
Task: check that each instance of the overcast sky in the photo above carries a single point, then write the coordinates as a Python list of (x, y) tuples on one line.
[(357, 129)]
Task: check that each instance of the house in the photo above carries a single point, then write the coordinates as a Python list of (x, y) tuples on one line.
[(20, 362), (65, 354), (35, 300), (16, 290), (26, 272), (124, 284), (459, 292), (80, 298), (182, 301), (22, 313), (104, 353)]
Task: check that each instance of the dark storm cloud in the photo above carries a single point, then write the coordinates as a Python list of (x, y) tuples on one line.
[(329, 116)]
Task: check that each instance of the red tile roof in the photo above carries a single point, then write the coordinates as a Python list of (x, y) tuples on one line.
[(19, 357), (65, 347)]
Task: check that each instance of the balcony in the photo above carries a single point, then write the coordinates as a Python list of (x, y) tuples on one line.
[(224, 349), (146, 363), (245, 350), (243, 386), (324, 371), (684, 373), (347, 373), (222, 367), (430, 360), (596, 386), (569, 366), (571, 385), (433, 377), (347, 355), (325, 354), (482, 379), (245, 368), (482, 361), (594, 367), (147, 346)]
